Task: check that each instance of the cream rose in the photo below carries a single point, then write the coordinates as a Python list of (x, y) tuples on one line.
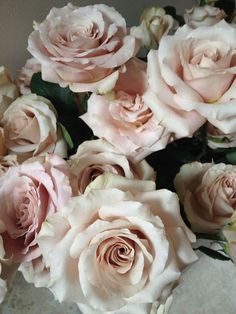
[(109, 248), (8, 90), (30, 127), (95, 158), (192, 79), (124, 119), (82, 47), (24, 76), (207, 192), (29, 193), (203, 16), (154, 24)]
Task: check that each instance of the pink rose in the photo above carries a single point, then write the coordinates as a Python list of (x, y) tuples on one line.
[(24, 76), (95, 158), (192, 79), (203, 16), (207, 192), (109, 249), (30, 127), (82, 47), (29, 193), (124, 119)]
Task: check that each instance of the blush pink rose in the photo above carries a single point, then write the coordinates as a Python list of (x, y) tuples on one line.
[(29, 193), (24, 76), (124, 119), (207, 192), (192, 79), (82, 47), (109, 249), (30, 128), (95, 158)]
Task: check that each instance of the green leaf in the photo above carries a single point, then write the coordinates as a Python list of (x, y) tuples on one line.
[(85, 102), (170, 10), (66, 136), (63, 99), (213, 237), (231, 157), (212, 253)]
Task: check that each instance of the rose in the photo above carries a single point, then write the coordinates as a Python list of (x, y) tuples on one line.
[(8, 90), (217, 139), (25, 74), (203, 16), (29, 193), (30, 127), (124, 119), (154, 24), (207, 192), (113, 242), (94, 158), (6, 162), (229, 233), (82, 47), (192, 78)]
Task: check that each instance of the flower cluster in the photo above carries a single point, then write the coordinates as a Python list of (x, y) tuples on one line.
[(82, 213)]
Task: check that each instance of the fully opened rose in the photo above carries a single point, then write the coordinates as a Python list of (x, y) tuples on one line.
[(109, 249), (192, 79), (82, 47), (29, 193)]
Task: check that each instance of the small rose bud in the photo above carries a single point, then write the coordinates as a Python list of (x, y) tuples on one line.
[(154, 24)]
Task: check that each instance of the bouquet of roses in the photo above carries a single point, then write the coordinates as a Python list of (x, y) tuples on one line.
[(82, 212)]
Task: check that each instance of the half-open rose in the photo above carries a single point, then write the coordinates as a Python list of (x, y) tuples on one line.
[(30, 127), (124, 119), (109, 248), (82, 47), (207, 192)]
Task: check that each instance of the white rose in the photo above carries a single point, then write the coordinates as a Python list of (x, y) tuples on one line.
[(203, 16)]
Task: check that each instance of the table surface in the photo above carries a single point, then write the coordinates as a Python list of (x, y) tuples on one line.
[(207, 287)]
